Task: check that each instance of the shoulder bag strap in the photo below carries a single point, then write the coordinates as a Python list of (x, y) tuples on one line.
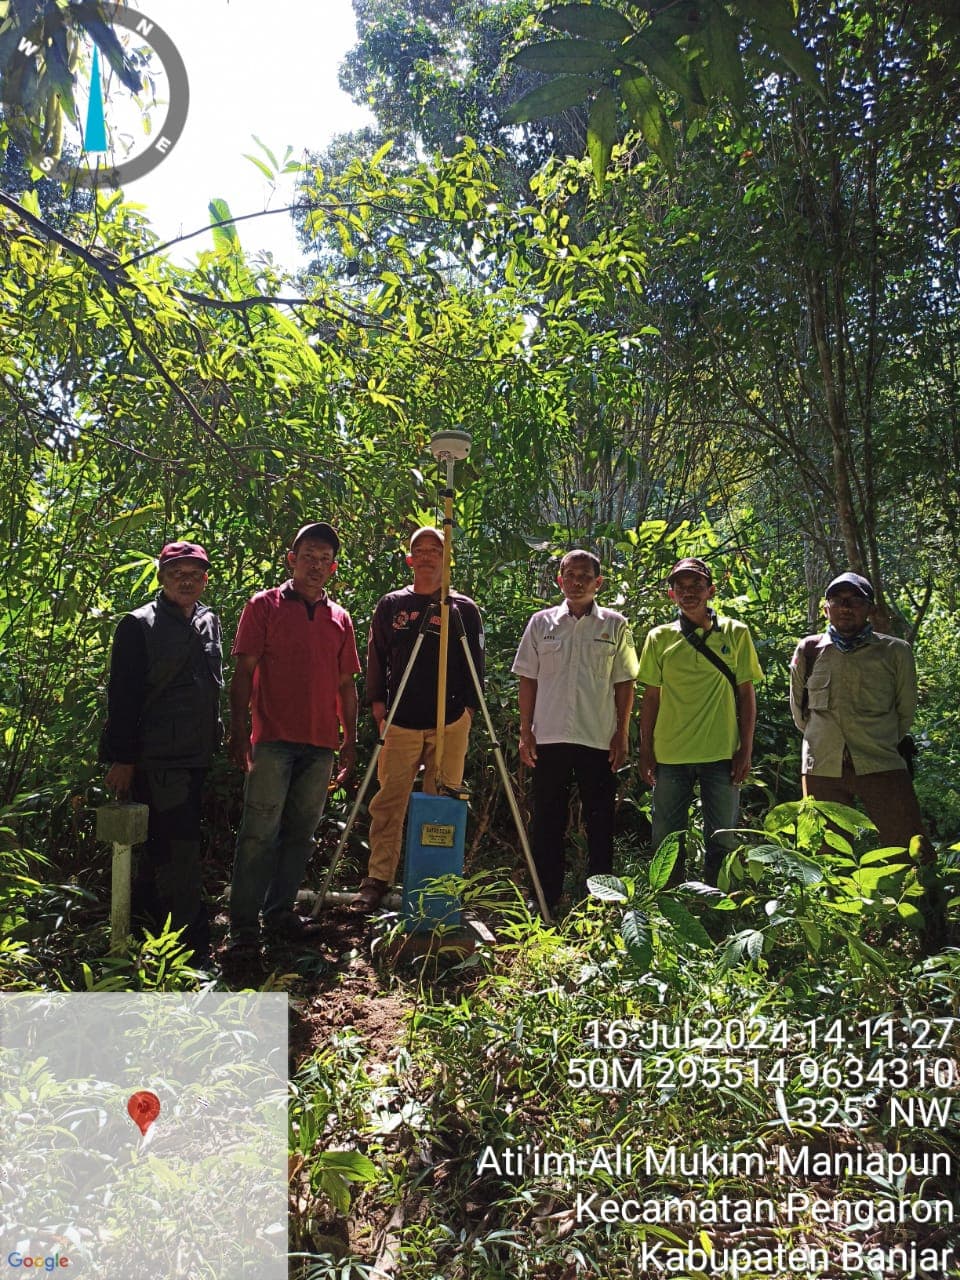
[(701, 646), (810, 647)]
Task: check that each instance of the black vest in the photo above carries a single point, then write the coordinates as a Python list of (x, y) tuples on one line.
[(180, 719)]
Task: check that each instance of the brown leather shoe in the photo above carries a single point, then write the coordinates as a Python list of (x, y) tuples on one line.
[(372, 893)]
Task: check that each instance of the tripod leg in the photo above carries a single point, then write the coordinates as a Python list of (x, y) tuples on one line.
[(504, 775), (335, 860), (444, 624), (361, 793)]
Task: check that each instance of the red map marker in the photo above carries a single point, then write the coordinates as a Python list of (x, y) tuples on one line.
[(143, 1108)]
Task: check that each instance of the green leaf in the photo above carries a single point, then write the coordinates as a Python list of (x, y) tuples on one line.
[(868, 953), (746, 944), (590, 20), (664, 60), (266, 150), (264, 168), (841, 815), (812, 934), (664, 860), (352, 1165), (647, 113), (786, 862), (637, 938), (717, 900), (775, 21), (601, 133), (868, 878), (722, 43), (549, 99), (781, 818), (607, 888), (566, 57), (31, 202), (131, 521), (687, 926), (225, 238), (836, 841)]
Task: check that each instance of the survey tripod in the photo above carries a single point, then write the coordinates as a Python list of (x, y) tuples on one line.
[(447, 447)]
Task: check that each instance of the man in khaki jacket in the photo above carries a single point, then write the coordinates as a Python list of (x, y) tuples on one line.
[(853, 693)]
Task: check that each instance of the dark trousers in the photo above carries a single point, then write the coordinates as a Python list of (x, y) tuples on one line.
[(169, 876), (891, 805), (888, 797), (558, 765)]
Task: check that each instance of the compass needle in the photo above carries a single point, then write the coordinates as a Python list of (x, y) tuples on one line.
[(95, 133), (129, 54)]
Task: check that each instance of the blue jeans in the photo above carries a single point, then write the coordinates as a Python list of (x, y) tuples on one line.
[(719, 799), (283, 800)]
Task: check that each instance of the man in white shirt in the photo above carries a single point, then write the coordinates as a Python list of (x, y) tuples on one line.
[(577, 665)]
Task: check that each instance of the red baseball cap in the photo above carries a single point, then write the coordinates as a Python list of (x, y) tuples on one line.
[(174, 552)]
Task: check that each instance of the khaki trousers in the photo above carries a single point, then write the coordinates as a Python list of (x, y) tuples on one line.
[(404, 750)]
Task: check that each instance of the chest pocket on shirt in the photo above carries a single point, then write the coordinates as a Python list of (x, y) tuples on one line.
[(874, 691), (549, 654), (601, 654), (818, 691)]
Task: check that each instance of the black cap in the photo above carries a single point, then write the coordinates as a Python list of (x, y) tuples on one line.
[(852, 580), (691, 565), (322, 531)]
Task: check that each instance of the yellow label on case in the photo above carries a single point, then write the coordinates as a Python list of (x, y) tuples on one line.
[(434, 835)]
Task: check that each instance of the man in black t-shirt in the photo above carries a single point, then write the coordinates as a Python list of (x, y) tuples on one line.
[(411, 738)]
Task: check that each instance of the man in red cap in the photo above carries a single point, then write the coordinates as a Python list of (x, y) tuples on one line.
[(296, 662), (163, 729)]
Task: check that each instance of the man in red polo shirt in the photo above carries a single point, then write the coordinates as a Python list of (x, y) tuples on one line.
[(296, 662)]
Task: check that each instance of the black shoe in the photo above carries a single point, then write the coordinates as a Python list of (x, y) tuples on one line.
[(288, 926)]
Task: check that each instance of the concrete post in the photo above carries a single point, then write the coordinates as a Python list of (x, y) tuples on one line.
[(122, 826)]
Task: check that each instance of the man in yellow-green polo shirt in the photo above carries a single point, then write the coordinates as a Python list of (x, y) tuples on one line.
[(697, 715)]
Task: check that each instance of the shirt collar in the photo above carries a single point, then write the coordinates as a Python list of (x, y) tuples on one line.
[(289, 592), (592, 612), (171, 607)]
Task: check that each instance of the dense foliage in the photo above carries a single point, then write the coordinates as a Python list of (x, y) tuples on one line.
[(743, 344)]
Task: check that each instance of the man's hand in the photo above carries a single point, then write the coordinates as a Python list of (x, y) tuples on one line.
[(379, 712), (348, 760), (528, 748), (740, 765), (238, 748), (119, 779), (648, 765), (619, 749)]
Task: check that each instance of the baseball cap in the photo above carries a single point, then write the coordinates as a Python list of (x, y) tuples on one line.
[(691, 565), (174, 552), (321, 530), (855, 582), (427, 528)]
